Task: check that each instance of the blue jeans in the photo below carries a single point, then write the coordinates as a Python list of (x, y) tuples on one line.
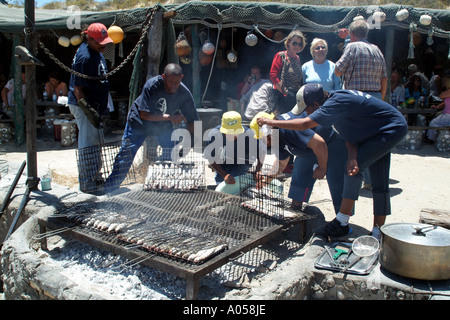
[(132, 140), (374, 154), (302, 182), (89, 151)]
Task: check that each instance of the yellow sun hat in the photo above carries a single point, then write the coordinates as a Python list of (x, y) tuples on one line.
[(231, 123), (254, 124)]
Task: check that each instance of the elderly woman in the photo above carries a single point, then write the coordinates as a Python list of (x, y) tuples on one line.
[(320, 69), (286, 72)]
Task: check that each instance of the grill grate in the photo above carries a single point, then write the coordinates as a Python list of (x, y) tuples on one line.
[(181, 227), (189, 234), (175, 171)]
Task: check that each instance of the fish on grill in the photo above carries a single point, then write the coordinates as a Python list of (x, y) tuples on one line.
[(172, 176)]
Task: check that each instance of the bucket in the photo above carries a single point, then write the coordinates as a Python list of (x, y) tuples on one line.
[(210, 117), (46, 184)]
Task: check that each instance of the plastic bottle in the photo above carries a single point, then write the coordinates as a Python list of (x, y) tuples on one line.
[(54, 97), (44, 95)]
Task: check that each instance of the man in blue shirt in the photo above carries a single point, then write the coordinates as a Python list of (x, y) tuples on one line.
[(318, 152), (371, 128), (165, 102), (88, 100)]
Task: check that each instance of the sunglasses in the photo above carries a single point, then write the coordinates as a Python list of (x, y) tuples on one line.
[(320, 47), (297, 43)]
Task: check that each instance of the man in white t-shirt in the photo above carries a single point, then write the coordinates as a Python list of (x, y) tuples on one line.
[(8, 93)]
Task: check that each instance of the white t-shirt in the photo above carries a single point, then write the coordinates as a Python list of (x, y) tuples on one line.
[(10, 87)]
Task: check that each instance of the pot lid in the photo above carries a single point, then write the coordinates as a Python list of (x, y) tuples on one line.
[(418, 233)]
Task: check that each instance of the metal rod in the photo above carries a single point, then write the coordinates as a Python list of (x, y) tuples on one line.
[(19, 211)]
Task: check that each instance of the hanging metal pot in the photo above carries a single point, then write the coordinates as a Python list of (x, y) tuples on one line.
[(232, 54), (418, 251), (182, 46)]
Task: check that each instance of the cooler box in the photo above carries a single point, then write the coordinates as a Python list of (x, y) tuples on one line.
[(57, 129)]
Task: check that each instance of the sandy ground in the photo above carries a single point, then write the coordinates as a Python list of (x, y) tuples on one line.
[(419, 179)]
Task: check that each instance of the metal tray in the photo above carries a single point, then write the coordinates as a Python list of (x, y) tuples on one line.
[(362, 267)]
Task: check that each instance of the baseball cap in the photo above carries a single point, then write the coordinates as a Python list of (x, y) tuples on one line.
[(99, 33), (231, 123), (255, 126), (306, 96)]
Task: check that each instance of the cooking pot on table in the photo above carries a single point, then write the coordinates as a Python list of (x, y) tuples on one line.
[(418, 251)]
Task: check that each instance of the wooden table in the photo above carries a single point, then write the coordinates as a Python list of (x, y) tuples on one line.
[(416, 111), (52, 105)]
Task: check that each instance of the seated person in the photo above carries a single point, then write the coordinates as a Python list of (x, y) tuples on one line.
[(413, 70), (8, 93), (397, 90), (261, 99), (436, 85), (55, 86), (252, 82), (231, 149), (415, 97), (443, 119)]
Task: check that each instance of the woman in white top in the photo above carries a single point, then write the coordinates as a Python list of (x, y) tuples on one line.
[(320, 69)]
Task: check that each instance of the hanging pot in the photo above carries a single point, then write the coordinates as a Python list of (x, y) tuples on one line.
[(232, 54), (268, 33), (417, 38), (208, 48), (279, 36), (418, 251), (186, 59), (182, 46), (251, 39)]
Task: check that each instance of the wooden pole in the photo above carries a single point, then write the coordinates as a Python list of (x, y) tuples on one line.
[(30, 103), (196, 81), (389, 52)]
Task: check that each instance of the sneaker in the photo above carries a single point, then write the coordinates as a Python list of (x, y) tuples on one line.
[(333, 229), (376, 233)]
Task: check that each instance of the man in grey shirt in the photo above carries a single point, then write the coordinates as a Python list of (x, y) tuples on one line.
[(260, 99)]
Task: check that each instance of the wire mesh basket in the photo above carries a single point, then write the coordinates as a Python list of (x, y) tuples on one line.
[(176, 170), (263, 194), (95, 164)]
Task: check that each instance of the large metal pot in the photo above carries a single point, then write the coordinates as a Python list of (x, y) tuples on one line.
[(418, 251)]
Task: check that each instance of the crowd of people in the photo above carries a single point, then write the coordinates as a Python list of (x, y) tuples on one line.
[(331, 119)]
